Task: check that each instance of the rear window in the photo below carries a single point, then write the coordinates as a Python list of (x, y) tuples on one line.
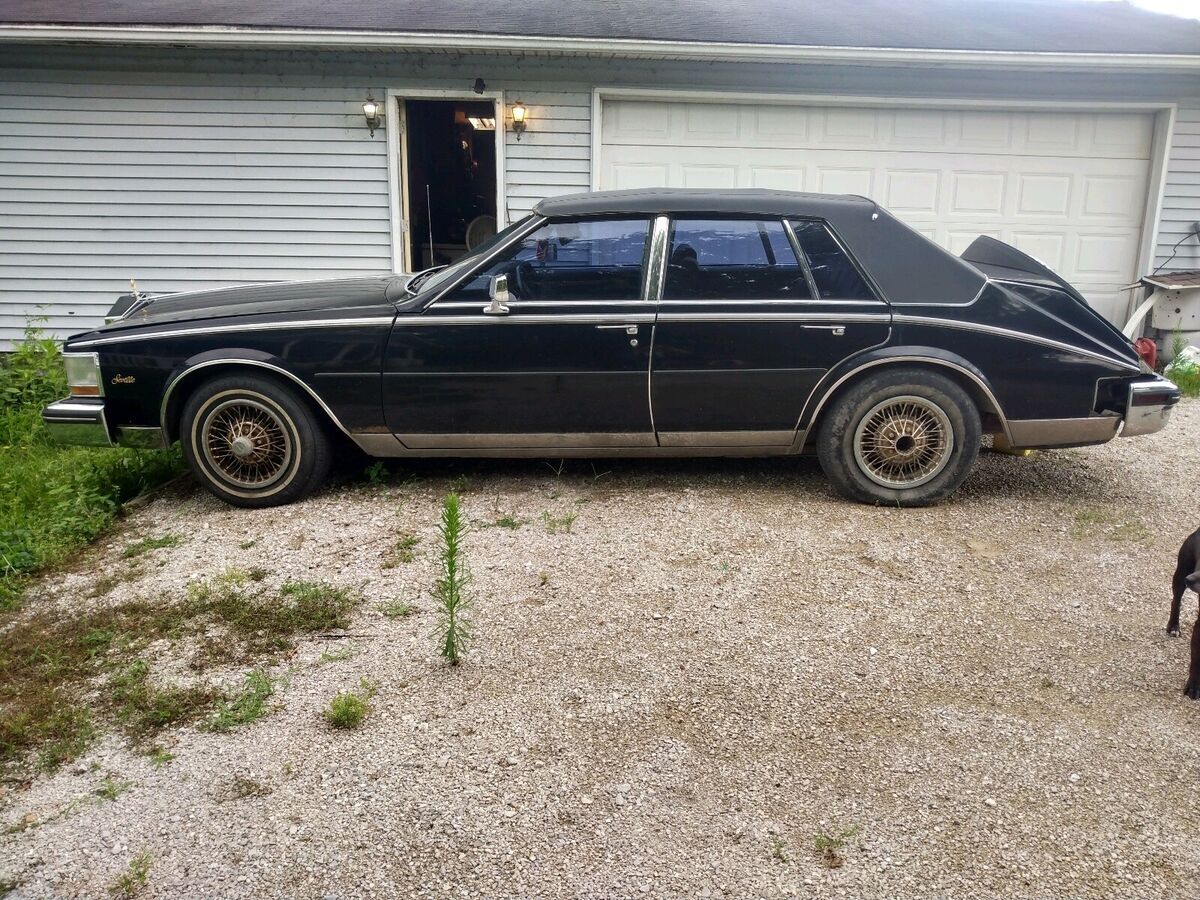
[(835, 276), (732, 259)]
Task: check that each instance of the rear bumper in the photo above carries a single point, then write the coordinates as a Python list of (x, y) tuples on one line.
[(1149, 406), (77, 421)]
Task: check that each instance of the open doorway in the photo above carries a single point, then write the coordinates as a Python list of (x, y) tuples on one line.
[(448, 161)]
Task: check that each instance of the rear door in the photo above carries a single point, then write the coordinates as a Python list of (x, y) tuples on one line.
[(567, 366), (753, 313)]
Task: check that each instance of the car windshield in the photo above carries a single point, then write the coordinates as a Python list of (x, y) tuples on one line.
[(432, 280)]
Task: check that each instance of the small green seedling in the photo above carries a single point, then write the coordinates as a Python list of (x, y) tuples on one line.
[(450, 589)]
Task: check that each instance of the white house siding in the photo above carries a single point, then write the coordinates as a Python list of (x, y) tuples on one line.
[(187, 169), (1181, 194), (181, 183)]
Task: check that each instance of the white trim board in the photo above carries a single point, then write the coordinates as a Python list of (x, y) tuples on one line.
[(397, 185)]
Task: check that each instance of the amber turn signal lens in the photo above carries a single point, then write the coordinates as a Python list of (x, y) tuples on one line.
[(85, 390)]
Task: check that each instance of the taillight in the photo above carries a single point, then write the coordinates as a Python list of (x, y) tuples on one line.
[(83, 374), (1148, 351)]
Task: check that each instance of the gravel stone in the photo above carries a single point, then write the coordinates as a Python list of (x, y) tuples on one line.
[(717, 663)]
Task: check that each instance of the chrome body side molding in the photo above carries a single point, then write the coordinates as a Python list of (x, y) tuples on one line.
[(807, 417), (1028, 433), (903, 319), (237, 361), (241, 327)]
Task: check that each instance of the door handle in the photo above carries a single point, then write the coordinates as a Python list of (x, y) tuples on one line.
[(629, 329), (835, 330)]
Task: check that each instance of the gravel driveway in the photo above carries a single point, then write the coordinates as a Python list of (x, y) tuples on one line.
[(717, 663)]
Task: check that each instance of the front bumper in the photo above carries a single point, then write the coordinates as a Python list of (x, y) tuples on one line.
[(1148, 408), (80, 421)]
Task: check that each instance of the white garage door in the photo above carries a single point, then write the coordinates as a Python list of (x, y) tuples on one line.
[(1068, 188)]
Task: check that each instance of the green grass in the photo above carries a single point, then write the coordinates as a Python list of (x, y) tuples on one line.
[(137, 548), (831, 844), (402, 552), (248, 705), (555, 524), (60, 673), (340, 655), (397, 609), (134, 879), (509, 522), (112, 788), (55, 500), (348, 709), (1186, 375)]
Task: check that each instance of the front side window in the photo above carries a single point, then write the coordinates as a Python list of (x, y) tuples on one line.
[(597, 260), (734, 259), (834, 274)]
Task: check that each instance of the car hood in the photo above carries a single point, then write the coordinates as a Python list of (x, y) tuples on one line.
[(274, 298)]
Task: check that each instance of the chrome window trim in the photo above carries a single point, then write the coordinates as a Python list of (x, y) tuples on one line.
[(837, 239), (971, 302), (801, 434), (535, 221), (902, 319), (221, 329), (801, 257), (225, 361), (867, 318)]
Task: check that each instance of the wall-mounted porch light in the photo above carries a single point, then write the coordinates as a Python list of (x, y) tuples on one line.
[(372, 113), (518, 117)]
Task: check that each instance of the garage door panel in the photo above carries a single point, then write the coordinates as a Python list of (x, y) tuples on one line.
[(1068, 187)]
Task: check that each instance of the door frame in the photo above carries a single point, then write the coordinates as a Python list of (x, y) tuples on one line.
[(399, 209), (1160, 146)]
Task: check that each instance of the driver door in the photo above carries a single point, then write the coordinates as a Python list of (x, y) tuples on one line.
[(567, 366)]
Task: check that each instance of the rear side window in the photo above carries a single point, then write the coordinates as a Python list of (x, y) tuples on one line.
[(735, 259), (592, 260), (834, 274)]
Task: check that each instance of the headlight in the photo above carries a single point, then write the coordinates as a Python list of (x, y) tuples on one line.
[(83, 374)]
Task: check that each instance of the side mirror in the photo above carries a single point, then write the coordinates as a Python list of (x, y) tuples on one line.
[(498, 291)]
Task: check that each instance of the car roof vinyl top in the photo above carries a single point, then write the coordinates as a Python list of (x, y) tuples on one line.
[(905, 265)]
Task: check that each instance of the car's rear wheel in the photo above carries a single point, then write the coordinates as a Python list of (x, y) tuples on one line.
[(905, 437), (254, 442)]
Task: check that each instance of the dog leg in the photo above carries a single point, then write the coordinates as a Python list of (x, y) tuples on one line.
[(1192, 688), (1178, 586)]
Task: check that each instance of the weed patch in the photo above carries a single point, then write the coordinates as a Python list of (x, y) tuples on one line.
[(48, 662), (450, 589), (145, 545), (134, 879), (348, 709), (248, 705), (55, 499), (397, 609), (402, 552), (831, 844), (555, 524)]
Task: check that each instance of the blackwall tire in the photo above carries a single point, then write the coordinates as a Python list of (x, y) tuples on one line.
[(901, 437), (254, 442)]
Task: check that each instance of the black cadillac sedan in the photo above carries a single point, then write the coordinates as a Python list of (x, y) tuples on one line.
[(637, 323)]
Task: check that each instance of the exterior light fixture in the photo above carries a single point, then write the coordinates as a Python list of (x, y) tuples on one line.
[(518, 117), (372, 113)]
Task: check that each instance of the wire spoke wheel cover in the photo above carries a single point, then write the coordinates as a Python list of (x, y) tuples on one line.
[(246, 442), (903, 442)]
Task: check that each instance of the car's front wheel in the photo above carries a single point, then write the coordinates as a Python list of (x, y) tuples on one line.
[(253, 442), (904, 437)]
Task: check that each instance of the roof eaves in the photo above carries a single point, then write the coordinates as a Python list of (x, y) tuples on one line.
[(287, 38)]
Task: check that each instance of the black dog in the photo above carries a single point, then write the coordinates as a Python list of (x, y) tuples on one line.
[(1187, 575)]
